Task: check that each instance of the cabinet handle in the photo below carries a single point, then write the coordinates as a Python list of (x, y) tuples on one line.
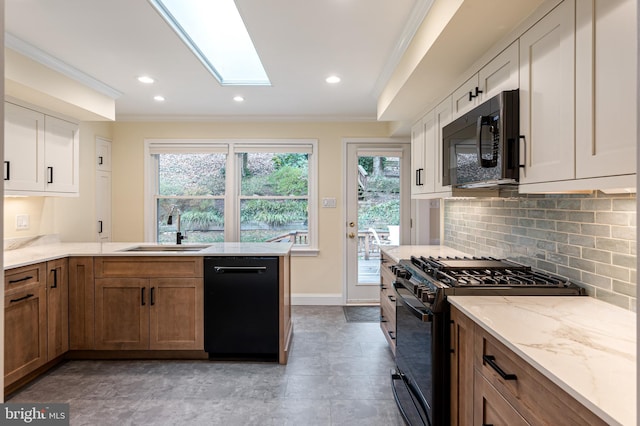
[(100, 160), (393, 299), (19, 280), (142, 296), (55, 278), (471, 95), (524, 141), (21, 298), (152, 296), (99, 227), (491, 360), (383, 319), (7, 170), (392, 335), (50, 174)]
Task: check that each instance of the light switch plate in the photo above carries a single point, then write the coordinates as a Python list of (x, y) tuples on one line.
[(329, 203), (22, 222)]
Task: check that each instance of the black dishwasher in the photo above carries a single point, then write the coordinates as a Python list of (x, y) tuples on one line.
[(241, 307)]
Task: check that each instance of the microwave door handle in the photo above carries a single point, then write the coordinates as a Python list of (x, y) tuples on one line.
[(485, 120)]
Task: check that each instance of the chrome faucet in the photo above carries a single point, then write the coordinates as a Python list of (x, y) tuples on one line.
[(179, 236)]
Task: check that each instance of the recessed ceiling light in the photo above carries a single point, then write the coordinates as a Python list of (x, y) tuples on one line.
[(333, 79), (238, 98), (158, 98), (145, 79)]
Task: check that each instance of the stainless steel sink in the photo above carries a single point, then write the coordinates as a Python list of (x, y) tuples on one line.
[(166, 248)]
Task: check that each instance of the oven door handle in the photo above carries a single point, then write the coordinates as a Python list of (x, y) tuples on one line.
[(422, 316)]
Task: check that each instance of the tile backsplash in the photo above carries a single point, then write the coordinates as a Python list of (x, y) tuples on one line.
[(589, 239)]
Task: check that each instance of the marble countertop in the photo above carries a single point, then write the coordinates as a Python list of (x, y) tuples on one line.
[(405, 252), (31, 254), (585, 346)]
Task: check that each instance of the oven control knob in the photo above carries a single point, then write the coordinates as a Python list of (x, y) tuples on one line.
[(428, 296)]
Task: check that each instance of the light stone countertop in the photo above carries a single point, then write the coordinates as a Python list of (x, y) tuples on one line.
[(36, 253), (585, 346), (405, 252)]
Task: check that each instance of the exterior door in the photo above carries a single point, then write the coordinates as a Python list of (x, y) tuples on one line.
[(377, 212)]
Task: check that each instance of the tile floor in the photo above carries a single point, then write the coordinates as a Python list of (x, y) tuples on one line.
[(338, 374)]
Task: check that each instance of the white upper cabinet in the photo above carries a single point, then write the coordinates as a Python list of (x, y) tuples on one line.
[(23, 148), (103, 155), (606, 96), (547, 97), (441, 117), (41, 153), (417, 158), (498, 75)]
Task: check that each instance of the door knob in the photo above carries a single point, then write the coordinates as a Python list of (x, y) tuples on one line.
[(352, 235)]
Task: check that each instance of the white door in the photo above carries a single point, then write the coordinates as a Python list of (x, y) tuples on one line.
[(103, 189), (377, 212), (23, 149)]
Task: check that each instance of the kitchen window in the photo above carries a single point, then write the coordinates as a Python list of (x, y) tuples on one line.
[(241, 190)]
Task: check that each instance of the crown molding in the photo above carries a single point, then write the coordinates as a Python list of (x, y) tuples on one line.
[(14, 43)]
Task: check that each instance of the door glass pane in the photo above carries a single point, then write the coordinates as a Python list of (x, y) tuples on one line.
[(378, 212)]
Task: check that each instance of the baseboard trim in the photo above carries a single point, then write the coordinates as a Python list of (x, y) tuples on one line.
[(319, 299)]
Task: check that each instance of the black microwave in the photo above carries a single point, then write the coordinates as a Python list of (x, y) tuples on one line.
[(481, 148)]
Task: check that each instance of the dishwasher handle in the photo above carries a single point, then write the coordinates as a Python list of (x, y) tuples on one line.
[(239, 269)]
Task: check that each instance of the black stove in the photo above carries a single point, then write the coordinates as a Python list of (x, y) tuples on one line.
[(422, 285)]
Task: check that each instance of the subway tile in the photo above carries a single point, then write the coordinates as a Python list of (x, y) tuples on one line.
[(624, 260), (538, 214), (596, 280), (610, 244), (624, 232), (597, 255), (547, 203), (613, 298), (546, 224), (557, 215), (596, 204), (569, 250), (614, 272), (582, 264), (569, 204), (596, 230), (546, 245), (613, 218), (582, 217), (568, 227), (558, 259), (629, 205), (628, 289)]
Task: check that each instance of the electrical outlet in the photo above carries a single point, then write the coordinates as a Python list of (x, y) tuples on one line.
[(22, 222), (329, 203)]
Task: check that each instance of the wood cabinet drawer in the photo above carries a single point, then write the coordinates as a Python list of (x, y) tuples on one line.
[(388, 310), (152, 267), (539, 400), (490, 408), (17, 278)]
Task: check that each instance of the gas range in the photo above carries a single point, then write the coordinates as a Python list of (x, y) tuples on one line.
[(432, 279)]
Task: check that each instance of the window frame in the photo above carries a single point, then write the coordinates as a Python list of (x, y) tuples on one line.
[(232, 196)]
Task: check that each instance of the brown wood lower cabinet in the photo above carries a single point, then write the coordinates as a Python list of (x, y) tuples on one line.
[(387, 303), (490, 384), (151, 311), (57, 308), (25, 316)]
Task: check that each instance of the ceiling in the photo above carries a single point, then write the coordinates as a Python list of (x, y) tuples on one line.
[(300, 44)]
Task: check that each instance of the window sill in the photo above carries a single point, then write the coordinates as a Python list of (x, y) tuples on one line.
[(306, 252)]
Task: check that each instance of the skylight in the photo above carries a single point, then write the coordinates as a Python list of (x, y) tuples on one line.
[(215, 32)]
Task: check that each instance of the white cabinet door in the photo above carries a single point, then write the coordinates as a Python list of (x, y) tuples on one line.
[(442, 117), (417, 158), (500, 74), (465, 97), (23, 149), (547, 97), (61, 155), (103, 154), (430, 152), (103, 205), (606, 111)]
